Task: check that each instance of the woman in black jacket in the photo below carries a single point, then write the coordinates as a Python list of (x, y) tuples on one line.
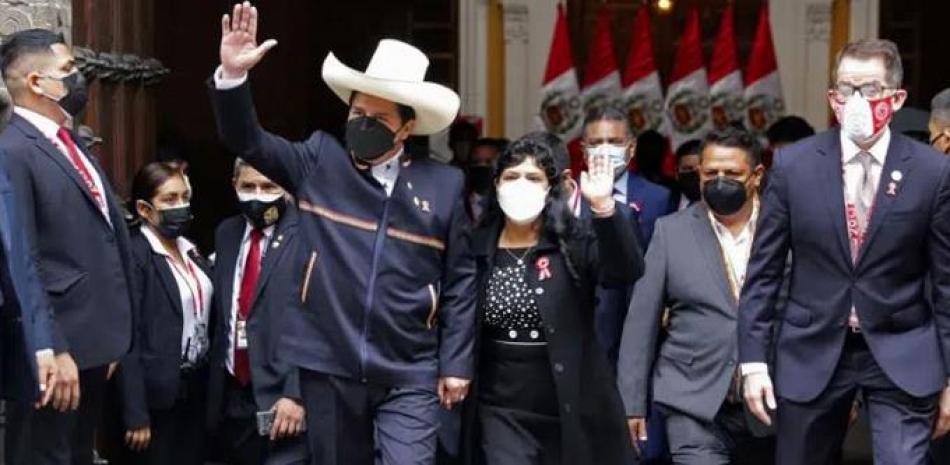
[(544, 391), (162, 381)]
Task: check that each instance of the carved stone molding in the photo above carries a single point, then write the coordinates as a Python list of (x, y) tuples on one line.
[(16, 15)]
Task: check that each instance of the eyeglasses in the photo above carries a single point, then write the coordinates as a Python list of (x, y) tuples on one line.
[(871, 90)]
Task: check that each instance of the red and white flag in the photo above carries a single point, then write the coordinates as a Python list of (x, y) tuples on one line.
[(687, 98), (763, 88), (601, 85), (726, 96), (642, 97), (561, 109)]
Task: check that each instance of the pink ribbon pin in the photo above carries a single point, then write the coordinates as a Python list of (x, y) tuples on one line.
[(544, 268)]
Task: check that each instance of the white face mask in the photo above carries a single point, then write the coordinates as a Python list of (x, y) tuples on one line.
[(521, 200), (857, 121), (265, 198), (617, 154)]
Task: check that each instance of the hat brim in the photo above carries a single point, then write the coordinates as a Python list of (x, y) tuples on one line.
[(436, 106)]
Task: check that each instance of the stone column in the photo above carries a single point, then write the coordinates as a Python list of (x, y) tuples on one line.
[(16, 15)]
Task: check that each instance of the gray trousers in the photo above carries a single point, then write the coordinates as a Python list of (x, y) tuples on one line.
[(352, 423), (724, 441)]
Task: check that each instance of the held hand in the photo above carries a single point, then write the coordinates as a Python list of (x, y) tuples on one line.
[(942, 424), (138, 439), (288, 419), (48, 372), (452, 391), (759, 395), (66, 395), (597, 184), (239, 49), (638, 431)]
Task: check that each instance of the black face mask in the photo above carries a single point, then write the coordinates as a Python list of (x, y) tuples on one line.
[(724, 196), (368, 139), (480, 177), (77, 94), (263, 214), (174, 222), (689, 185)]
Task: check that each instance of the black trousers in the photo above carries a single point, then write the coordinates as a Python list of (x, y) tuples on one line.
[(237, 440), (48, 437), (812, 433), (352, 423), (727, 440)]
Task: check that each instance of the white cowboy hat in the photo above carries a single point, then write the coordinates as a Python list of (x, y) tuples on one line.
[(396, 73)]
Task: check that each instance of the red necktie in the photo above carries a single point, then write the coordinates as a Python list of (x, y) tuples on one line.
[(77, 163), (252, 270)]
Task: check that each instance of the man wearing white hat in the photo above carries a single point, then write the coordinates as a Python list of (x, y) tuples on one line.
[(387, 327)]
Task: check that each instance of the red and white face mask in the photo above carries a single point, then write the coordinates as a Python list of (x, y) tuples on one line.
[(862, 119)]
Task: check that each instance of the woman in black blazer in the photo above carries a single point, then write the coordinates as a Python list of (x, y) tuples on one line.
[(162, 381), (544, 392)]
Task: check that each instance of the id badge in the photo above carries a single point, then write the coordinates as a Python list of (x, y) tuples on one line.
[(241, 333)]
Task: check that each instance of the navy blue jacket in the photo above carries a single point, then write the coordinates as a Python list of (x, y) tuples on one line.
[(149, 376), (25, 313), (83, 261), (278, 293), (388, 288), (906, 244), (650, 200)]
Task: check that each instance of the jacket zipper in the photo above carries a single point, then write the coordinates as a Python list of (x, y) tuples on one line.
[(370, 288)]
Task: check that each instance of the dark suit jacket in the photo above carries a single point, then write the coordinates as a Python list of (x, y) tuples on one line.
[(83, 260), (685, 272), (389, 296), (149, 375), (278, 293), (25, 312), (907, 239), (650, 200)]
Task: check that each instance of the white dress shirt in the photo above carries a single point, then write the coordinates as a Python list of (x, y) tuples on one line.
[(736, 248), (268, 234), (195, 290), (49, 129), (385, 173)]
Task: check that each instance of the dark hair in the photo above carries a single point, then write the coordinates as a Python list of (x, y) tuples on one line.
[(651, 150), (559, 223), (735, 138), (405, 112), (462, 130), (940, 107), (25, 43), (497, 144), (150, 178), (562, 158), (607, 113), (789, 129), (690, 147), (868, 49)]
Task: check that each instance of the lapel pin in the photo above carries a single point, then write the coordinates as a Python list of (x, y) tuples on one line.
[(892, 188), (276, 244), (415, 200), (896, 175), (544, 268), (425, 206)]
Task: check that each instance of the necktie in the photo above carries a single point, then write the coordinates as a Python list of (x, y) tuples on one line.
[(864, 200), (252, 270), (76, 161)]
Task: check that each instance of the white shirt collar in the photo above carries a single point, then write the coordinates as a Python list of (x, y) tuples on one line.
[(620, 185), (386, 173), (184, 245), (46, 126), (268, 231), (878, 151)]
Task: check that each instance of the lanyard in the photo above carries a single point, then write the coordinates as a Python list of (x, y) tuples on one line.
[(197, 295)]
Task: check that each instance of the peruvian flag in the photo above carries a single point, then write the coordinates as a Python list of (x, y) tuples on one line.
[(727, 100), (687, 98), (601, 84), (561, 109), (763, 89), (642, 97)]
